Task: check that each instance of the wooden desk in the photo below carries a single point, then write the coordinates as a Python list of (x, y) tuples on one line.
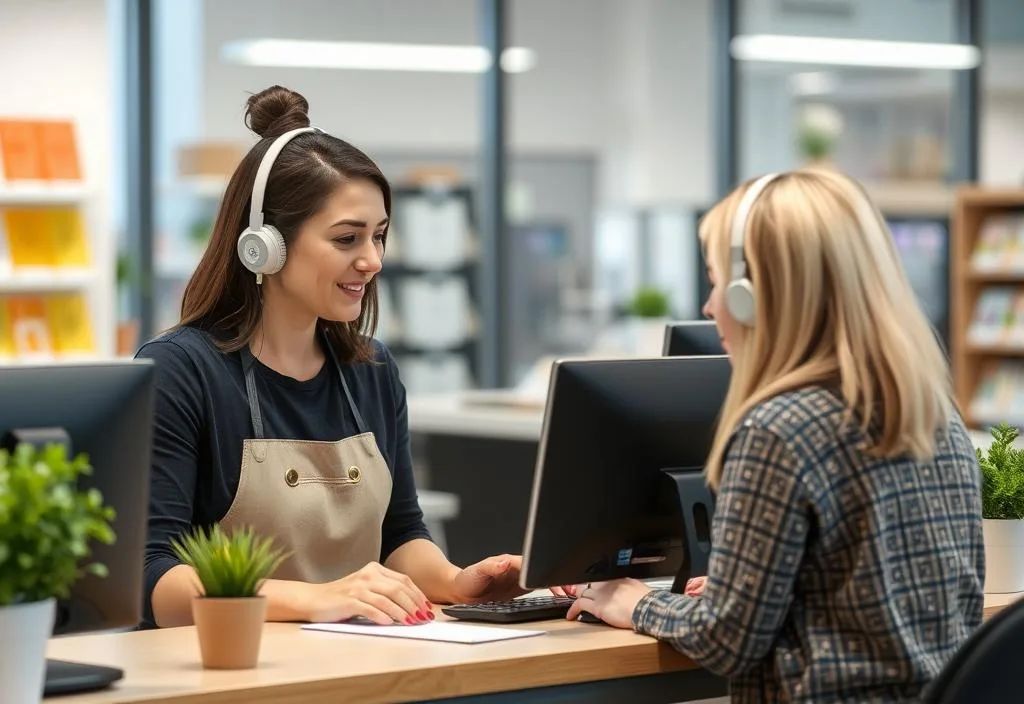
[(478, 451), (994, 603), (572, 662)]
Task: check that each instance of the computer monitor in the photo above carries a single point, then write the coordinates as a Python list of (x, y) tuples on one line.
[(692, 338), (103, 409), (618, 488)]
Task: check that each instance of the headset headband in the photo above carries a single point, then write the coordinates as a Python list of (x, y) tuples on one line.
[(263, 173), (739, 225)]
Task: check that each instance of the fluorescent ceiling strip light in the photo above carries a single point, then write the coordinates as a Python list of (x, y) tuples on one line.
[(853, 52), (373, 56)]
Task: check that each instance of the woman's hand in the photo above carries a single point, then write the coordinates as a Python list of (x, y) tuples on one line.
[(694, 587), (374, 592), (612, 602), (493, 579)]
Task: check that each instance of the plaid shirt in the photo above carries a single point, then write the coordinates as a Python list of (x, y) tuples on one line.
[(834, 576)]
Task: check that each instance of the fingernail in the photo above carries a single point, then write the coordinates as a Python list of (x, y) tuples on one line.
[(421, 615), (409, 621), (431, 615)]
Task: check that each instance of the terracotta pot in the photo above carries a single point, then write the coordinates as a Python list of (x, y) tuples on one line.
[(229, 631), (127, 338)]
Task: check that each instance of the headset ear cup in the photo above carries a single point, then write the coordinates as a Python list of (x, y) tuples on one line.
[(279, 252), (262, 250), (739, 301)]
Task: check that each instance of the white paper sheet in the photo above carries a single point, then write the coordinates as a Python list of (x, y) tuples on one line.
[(445, 631)]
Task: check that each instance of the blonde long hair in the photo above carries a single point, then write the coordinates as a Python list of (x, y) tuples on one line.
[(833, 305)]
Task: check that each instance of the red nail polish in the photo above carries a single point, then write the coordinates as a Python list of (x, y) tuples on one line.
[(431, 615), (409, 621), (421, 615)]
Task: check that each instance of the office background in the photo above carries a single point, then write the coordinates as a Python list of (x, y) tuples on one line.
[(533, 203)]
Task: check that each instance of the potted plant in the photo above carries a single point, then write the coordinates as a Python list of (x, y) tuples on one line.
[(229, 611), (1002, 506), (46, 529), (127, 328), (649, 309), (818, 129)]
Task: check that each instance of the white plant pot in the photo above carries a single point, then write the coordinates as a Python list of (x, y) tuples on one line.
[(648, 336), (24, 632), (1004, 556)]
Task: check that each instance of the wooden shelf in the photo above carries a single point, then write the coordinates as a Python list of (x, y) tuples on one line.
[(15, 194), (974, 204), (912, 198), (1010, 276), (46, 280), (1000, 350)]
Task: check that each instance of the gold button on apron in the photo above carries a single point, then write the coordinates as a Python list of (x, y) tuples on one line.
[(291, 477), (354, 473)]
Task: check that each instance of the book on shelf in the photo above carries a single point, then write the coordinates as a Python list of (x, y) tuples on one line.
[(39, 150), (1000, 245), (44, 326), (998, 317), (1000, 394), (44, 237)]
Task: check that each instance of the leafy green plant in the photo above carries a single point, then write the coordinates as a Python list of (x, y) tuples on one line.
[(199, 231), (46, 524), (1002, 470), (124, 272), (815, 144), (649, 302), (229, 565)]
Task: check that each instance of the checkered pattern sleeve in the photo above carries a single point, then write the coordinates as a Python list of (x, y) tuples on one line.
[(759, 531)]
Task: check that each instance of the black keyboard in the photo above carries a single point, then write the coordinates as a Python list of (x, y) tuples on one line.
[(534, 608)]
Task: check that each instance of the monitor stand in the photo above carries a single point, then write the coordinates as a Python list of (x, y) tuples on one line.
[(695, 505), (64, 677)]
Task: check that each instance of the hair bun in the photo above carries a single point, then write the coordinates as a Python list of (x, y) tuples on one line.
[(276, 110)]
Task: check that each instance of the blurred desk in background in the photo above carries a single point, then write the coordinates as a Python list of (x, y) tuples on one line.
[(480, 446)]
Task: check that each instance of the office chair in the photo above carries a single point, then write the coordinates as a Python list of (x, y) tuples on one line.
[(987, 666)]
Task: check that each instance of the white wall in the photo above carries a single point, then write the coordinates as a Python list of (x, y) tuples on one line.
[(897, 20), (659, 135), (57, 60), (1001, 161), (628, 83)]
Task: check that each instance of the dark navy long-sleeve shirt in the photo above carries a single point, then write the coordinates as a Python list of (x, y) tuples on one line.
[(202, 418)]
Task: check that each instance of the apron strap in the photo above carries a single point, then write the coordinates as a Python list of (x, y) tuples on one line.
[(360, 424), (254, 402), (250, 392)]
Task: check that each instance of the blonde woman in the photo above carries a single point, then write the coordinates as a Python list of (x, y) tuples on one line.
[(847, 561)]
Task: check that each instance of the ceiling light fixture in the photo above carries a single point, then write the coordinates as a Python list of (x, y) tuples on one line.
[(854, 52), (369, 56)]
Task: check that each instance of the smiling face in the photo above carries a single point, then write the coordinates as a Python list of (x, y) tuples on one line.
[(336, 253)]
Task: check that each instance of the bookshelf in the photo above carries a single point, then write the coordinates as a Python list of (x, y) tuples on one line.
[(56, 287), (987, 287), (427, 287)]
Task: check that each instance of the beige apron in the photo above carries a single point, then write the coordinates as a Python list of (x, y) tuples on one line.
[(324, 502)]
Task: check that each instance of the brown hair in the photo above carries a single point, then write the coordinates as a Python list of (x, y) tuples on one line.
[(222, 296)]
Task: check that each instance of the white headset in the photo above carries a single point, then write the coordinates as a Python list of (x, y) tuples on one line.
[(739, 294), (261, 247)]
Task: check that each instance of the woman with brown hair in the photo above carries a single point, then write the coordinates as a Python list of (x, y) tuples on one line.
[(275, 407)]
